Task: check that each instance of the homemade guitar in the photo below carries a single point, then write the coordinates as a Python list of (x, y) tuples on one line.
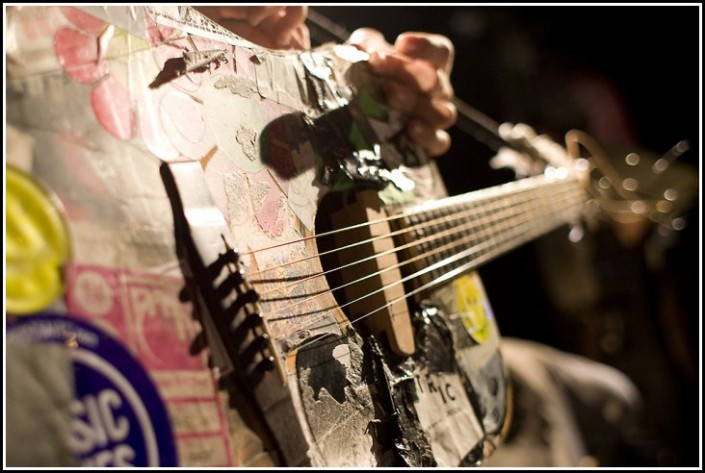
[(331, 278)]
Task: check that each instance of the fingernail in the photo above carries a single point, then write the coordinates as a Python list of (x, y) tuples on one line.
[(409, 45), (357, 38)]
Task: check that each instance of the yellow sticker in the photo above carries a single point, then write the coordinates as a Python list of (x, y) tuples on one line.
[(37, 245), (472, 305)]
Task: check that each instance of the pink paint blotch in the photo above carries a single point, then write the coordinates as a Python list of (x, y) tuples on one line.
[(112, 107), (78, 55)]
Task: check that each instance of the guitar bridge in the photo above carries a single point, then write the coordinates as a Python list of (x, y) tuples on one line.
[(224, 302), (242, 319)]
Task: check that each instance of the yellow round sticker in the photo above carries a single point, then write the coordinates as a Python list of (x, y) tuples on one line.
[(472, 308), (37, 244)]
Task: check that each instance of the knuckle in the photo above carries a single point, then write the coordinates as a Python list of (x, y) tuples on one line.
[(449, 112), (441, 144)]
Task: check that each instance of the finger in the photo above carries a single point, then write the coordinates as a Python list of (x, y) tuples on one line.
[(369, 40), (292, 20), (436, 49), (436, 113), (301, 38), (400, 97), (433, 141), (256, 15), (417, 74), (444, 87), (282, 27)]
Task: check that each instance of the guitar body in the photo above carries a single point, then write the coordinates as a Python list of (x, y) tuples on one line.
[(110, 100)]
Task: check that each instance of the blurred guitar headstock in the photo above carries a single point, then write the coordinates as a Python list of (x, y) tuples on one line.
[(636, 190)]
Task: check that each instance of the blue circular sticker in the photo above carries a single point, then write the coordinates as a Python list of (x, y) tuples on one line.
[(119, 417)]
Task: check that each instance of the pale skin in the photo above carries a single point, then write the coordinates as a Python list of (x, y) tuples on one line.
[(415, 70)]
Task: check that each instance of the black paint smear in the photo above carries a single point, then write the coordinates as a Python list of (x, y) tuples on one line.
[(403, 427), (326, 372), (435, 351), (173, 68), (191, 61)]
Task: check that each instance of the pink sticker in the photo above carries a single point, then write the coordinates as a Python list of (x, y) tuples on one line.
[(83, 20), (269, 202), (141, 309), (112, 107), (172, 125), (78, 55)]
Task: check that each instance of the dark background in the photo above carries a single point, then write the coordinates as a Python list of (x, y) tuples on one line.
[(521, 64)]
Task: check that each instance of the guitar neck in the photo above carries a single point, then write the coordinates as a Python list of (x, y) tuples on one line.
[(457, 234)]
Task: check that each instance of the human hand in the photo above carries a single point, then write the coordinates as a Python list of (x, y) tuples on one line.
[(273, 27), (415, 74)]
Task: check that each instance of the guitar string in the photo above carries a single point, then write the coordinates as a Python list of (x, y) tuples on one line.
[(519, 236), (505, 213), (416, 227), (510, 241), (440, 249), (495, 228), (469, 237), (449, 260), (426, 255), (482, 206), (320, 235), (506, 189), (573, 196)]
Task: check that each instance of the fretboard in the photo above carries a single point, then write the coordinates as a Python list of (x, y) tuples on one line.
[(457, 234)]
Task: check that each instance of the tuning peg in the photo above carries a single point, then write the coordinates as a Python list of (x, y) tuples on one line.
[(576, 233), (256, 374), (240, 332), (257, 347), (678, 223), (267, 364), (515, 132), (231, 282), (249, 297), (671, 155), (230, 256), (630, 184), (632, 159)]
